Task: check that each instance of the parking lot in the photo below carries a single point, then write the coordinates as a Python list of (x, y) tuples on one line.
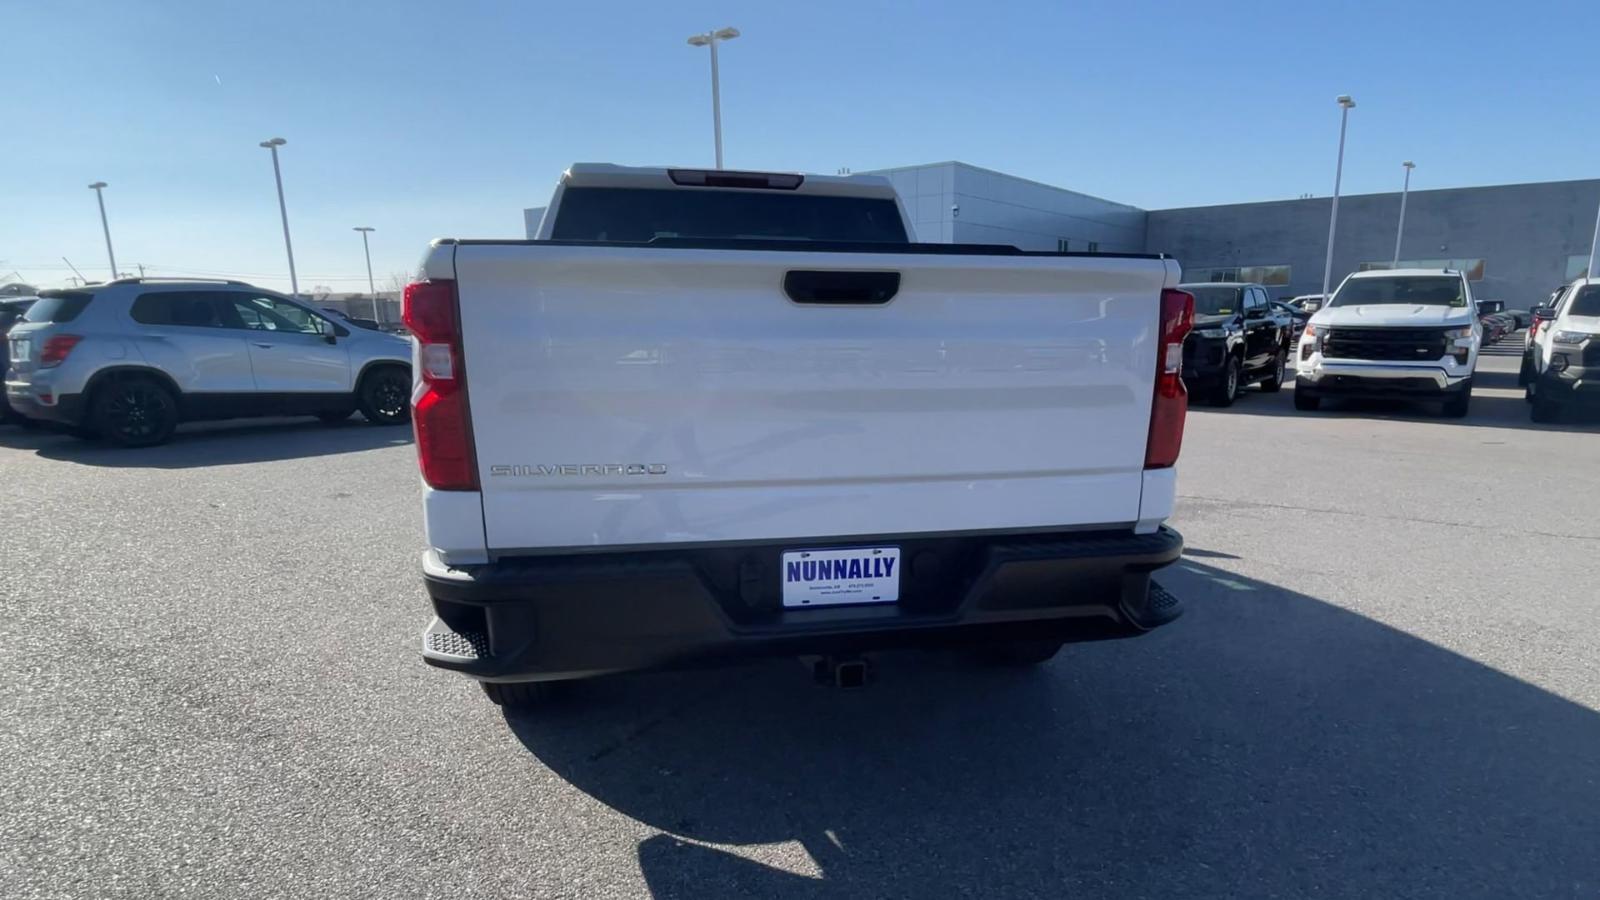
[(1387, 682)]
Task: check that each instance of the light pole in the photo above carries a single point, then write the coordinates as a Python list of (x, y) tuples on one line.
[(1594, 248), (1401, 228), (98, 187), (710, 39), (273, 145), (371, 288), (1338, 174)]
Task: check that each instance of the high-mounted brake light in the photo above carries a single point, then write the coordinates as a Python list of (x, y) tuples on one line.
[(439, 411), (1171, 402), (779, 181), (56, 349)]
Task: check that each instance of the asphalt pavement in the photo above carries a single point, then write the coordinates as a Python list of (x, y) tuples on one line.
[(1386, 683)]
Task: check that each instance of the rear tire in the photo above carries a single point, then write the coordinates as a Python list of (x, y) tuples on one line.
[(385, 396), (1456, 407), (1020, 654), (1307, 402), (1280, 367), (133, 411), (1228, 388), (1525, 374), (518, 696)]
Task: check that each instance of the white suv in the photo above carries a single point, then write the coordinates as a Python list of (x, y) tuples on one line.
[(130, 359), (1565, 354), (1408, 333)]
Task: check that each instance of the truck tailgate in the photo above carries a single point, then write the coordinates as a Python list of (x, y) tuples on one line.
[(643, 395)]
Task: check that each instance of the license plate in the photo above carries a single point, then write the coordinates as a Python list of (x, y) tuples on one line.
[(839, 577)]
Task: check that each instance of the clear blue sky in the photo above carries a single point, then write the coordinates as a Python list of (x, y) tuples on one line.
[(446, 119)]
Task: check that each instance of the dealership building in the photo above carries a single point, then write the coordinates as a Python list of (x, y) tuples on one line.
[(1516, 242)]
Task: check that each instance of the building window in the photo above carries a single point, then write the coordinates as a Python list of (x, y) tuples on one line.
[(1063, 245), (1276, 276), (1094, 246), (1472, 268)]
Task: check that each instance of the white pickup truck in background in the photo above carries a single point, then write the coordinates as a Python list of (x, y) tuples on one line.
[(712, 415)]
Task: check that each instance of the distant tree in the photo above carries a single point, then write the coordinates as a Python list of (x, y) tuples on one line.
[(320, 292)]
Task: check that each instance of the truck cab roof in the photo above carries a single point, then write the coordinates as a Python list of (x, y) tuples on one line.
[(669, 178), (1403, 273)]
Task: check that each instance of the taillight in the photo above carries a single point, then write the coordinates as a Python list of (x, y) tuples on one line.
[(1171, 402), (56, 348), (439, 411)]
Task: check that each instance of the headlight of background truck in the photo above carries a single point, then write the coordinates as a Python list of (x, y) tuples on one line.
[(1461, 338), (1311, 338)]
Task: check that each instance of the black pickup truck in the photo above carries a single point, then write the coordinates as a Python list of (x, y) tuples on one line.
[(1239, 338)]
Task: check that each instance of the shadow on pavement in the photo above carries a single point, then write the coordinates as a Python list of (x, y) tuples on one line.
[(214, 443), (1266, 744)]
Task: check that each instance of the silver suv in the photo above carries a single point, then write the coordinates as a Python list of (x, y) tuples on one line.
[(130, 359)]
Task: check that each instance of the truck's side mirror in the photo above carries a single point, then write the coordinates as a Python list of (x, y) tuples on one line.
[(1544, 312)]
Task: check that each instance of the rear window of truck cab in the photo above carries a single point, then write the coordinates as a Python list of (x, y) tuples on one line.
[(641, 215)]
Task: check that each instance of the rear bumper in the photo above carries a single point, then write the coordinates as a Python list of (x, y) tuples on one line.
[(549, 618), (66, 410)]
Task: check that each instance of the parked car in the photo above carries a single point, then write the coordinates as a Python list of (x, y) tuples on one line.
[(11, 312), (1308, 303), (1496, 324), (130, 359), (1537, 320), (347, 319), (1238, 339), (1495, 327), (1297, 318), (601, 494), (1392, 333), (1566, 354)]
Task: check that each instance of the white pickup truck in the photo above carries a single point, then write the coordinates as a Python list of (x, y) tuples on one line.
[(1390, 334), (711, 415)]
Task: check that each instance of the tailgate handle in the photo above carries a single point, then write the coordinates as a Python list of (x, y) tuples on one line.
[(841, 288)]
